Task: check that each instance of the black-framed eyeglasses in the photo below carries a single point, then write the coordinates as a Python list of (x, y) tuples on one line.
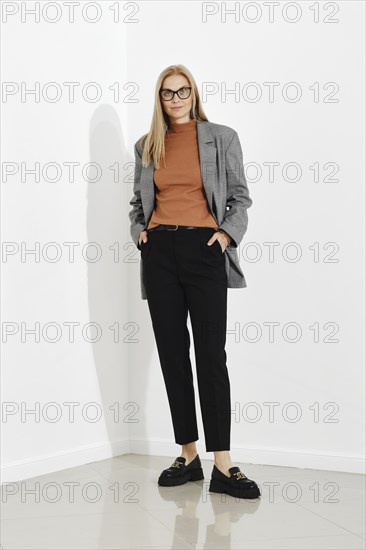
[(182, 93)]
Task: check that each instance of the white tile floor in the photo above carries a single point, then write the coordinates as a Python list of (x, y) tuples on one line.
[(118, 504)]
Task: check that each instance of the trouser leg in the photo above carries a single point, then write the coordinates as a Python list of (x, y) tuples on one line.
[(203, 275), (209, 333), (169, 311)]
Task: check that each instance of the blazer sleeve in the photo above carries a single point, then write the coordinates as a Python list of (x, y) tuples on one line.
[(235, 220), (136, 215)]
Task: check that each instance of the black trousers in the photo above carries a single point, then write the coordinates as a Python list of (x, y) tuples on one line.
[(182, 273)]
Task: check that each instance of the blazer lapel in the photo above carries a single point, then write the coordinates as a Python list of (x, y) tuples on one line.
[(208, 158)]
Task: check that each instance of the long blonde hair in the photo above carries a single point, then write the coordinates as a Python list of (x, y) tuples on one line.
[(153, 142)]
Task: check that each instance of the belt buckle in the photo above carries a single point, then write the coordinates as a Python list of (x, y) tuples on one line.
[(176, 227)]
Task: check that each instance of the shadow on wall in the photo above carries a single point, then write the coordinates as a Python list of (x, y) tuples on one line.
[(114, 282)]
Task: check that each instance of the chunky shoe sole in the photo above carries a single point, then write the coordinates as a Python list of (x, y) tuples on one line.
[(193, 475), (217, 486)]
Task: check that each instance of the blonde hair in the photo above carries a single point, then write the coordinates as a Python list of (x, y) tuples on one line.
[(153, 143)]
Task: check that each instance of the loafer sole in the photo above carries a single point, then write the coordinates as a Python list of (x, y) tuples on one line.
[(193, 475), (217, 486)]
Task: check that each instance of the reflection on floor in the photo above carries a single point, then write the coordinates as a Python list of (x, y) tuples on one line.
[(118, 504)]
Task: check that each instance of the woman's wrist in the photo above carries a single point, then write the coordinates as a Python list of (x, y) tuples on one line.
[(228, 238)]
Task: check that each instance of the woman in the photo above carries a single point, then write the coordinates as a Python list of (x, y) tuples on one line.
[(189, 215)]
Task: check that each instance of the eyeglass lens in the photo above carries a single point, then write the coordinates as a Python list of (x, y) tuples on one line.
[(183, 93)]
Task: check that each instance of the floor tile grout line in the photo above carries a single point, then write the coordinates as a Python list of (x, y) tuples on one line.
[(299, 538), (326, 519)]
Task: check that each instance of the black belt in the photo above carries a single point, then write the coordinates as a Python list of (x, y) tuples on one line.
[(169, 227)]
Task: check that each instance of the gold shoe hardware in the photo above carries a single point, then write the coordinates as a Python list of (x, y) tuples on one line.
[(240, 475), (176, 464)]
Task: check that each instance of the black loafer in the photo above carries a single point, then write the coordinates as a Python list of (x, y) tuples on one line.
[(237, 485), (178, 473)]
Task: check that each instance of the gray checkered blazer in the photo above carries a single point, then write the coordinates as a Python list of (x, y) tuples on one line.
[(224, 182)]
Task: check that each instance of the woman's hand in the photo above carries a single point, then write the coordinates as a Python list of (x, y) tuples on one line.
[(223, 238), (143, 237)]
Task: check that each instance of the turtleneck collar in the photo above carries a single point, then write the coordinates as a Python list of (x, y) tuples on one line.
[(176, 127)]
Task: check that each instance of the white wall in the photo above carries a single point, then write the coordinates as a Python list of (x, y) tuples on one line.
[(317, 299), (65, 211)]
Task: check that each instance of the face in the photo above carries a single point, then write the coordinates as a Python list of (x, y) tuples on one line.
[(177, 109)]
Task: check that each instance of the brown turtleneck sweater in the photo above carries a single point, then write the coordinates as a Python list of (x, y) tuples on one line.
[(180, 198)]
